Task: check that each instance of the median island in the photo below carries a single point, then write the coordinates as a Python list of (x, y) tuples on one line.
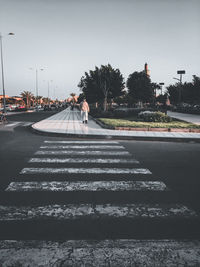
[(147, 121)]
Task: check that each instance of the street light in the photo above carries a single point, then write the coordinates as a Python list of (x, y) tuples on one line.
[(2, 71), (36, 85), (49, 90), (181, 72), (161, 84)]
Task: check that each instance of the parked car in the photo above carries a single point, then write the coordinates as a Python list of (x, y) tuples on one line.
[(46, 107), (53, 107), (10, 107), (20, 108)]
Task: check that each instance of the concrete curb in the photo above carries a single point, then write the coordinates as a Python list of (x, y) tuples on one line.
[(138, 138)]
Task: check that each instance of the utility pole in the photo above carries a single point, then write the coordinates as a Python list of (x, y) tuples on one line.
[(2, 72), (181, 72)]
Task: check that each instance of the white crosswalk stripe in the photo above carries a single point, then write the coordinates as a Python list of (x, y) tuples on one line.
[(86, 170), (84, 153), (88, 186), (82, 147), (83, 160), (77, 211), (80, 142), (93, 253)]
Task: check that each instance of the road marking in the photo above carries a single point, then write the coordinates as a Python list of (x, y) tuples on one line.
[(27, 123), (78, 211), (86, 152), (12, 124), (86, 170), (88, 186), (113, 253), (82, 160), (82, 147), (81, 142)]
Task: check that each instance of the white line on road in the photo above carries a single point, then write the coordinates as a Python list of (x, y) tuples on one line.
[(88, 186), (82, 147), (78, 211), (82, 160), (86, 152), (81, 142), (86, 170), (27, 123), (113, 253), (13, 124)]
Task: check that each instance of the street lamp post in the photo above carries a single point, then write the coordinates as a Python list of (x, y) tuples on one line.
[(161, 84), (2, 72), (49, 91), (36, 86), (181, 72)]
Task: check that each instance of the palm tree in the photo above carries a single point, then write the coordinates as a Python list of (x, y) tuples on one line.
[(74, 98), (38, 99), (46, 100), (28, 95)]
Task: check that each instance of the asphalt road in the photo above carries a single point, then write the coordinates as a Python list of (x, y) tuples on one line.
[(143, 214)]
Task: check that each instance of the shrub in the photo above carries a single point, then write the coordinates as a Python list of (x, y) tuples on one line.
[(150, 116)]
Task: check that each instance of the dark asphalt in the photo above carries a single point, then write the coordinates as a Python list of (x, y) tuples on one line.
[(176, 164)]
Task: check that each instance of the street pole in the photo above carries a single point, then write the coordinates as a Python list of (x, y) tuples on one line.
[(2, 74), (181, 72), (36, 84), (48, 93), (161, 84)]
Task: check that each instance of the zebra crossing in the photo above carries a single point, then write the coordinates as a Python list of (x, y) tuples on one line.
[(109, 185)]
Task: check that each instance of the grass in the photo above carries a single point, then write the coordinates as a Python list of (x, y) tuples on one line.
[(129, 122)]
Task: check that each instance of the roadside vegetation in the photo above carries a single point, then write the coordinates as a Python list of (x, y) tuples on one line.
[(134, 123)]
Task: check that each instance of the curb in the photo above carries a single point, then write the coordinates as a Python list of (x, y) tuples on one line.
[(137, 138)]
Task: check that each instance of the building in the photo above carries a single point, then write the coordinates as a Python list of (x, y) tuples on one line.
[(146, 69)]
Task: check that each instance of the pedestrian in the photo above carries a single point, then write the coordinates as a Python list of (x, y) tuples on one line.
[(72, 106), (84, 110), (80, 107)]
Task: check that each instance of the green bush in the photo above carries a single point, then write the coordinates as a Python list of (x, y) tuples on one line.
[(150, 116)]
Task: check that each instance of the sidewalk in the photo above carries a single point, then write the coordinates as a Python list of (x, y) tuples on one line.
[(69, 123), (193, 118)]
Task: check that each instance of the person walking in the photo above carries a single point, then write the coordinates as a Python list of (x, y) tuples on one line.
[(84, 110)]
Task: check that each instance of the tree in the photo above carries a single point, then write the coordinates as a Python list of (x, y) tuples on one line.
[(38, 99), (74, 98), (46, 100), (162, 99), (102, 84), (189, 92), (28, 97), (140, 87)]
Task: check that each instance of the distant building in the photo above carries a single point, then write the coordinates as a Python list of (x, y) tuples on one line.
[(11, 100), (146, 69)]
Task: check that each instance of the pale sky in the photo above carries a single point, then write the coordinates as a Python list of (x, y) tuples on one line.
[(69, 37)]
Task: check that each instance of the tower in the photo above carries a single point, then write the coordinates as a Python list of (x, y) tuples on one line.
[(146, 69)]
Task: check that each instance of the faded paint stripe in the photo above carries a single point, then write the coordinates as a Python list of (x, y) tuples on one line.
[(13, 124), (88, 186), (86, 170), (112, 253), (82, 147), (82, 160), (81, 142), (76, 211), (72, 152)]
